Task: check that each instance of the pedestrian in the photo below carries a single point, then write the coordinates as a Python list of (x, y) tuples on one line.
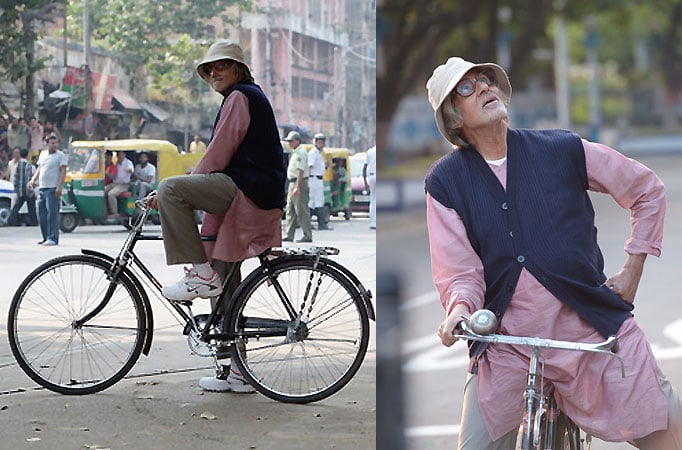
[(297, 212), (511, 229), (50, 176), (145, 174), (12, 164), (369, 176), (23, 172), (120, 184), (317, 167), (238, 182), (36, 136), (197, 145)]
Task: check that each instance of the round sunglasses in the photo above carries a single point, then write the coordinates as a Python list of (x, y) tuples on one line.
[(467, 86)]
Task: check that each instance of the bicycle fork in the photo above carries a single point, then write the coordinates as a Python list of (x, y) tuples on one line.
[(530, 425)]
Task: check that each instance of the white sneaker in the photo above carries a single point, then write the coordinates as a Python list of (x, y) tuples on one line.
[(49, 243), (192, 286), (233, 383)]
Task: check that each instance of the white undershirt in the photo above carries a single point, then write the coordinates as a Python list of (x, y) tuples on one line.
[(497, 162)]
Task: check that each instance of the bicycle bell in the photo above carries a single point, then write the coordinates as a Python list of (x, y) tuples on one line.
[(483, 322)]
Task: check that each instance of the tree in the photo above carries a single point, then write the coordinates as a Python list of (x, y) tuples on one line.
[(18, 35), (150, 32)]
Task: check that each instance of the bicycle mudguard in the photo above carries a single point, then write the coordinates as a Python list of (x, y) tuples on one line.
[(143, 294), (365, 293)]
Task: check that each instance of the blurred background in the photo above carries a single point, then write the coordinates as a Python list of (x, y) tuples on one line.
[(608, 69)]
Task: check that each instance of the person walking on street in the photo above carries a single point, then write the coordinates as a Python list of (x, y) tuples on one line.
[(50, 176), (316, 185), (297, 211), (238, 182), (369, 175), (23, 172), (121, 184), (512, 229)]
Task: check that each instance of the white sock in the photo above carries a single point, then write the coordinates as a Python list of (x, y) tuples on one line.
[(204, 270)]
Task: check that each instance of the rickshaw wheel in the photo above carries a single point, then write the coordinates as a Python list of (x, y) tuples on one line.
[(68, 222)]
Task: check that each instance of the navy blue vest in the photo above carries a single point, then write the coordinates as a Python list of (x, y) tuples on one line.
[(544, 221), (257, 167)]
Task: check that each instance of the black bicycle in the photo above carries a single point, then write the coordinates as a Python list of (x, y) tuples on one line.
[(544, 425), (297, 326)]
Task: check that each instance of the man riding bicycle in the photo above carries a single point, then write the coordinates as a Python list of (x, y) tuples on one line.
[(511, 229)]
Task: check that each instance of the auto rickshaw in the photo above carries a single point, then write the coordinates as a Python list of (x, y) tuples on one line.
[(84, 183), (337, 181)]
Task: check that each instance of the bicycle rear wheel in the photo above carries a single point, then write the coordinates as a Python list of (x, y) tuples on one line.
[(57, 353), (297, 358)]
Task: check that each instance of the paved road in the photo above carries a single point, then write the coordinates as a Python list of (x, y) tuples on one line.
[(433, 376), (154, 410)]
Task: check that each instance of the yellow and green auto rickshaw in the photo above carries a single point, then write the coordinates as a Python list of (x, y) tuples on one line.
[(337, 181), (84, 183)]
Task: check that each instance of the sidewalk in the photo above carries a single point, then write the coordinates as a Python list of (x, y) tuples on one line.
[(172, 412), (150, 410)]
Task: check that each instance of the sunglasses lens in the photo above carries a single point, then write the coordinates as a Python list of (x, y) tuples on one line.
[(466, 88), (490, 78)]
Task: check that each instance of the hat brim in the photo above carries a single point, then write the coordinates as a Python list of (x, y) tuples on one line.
[(504, 85), (214, 59)]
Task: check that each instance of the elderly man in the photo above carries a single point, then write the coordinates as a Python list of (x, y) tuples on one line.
[(511, 229), (239, 183)]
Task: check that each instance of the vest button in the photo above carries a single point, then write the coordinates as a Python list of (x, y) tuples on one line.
[(521, 258), (505, 206), (511, 234)]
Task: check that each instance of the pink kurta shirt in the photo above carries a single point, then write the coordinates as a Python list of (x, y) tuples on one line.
[(245, 230), (589, 387)]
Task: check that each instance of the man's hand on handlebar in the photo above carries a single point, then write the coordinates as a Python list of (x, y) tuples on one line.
[(449, 328)]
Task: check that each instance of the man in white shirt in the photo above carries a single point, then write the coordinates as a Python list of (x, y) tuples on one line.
[(315, 183), (124, 170), (50, 176), (369, 172), (145, 174)]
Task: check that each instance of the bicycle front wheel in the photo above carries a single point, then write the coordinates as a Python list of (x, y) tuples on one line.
[(303, 330), (57, 352), (567, 435)]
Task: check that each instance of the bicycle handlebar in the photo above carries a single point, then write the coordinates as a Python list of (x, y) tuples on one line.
[(481, 320)]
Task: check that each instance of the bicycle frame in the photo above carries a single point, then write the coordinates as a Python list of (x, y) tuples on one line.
[(261, 327), (536, 406)]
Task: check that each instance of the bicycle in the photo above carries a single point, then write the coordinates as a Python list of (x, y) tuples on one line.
[(544, 425), (78, 323)]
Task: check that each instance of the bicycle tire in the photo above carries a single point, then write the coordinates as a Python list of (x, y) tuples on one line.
[(307, 366), (75, 360), (567, 434)]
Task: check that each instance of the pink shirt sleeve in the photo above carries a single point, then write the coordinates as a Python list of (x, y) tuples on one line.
[(633, 186), (229, 132), (456, 268)]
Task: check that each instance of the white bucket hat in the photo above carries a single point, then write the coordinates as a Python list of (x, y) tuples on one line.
[(219, 50), (446, 76)]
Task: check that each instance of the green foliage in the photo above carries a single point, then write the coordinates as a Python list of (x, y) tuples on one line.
[(17, 34), (163, 36)]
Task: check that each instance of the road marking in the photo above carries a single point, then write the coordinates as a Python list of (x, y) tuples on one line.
[(421, 300), (672, 331), (432, 430)]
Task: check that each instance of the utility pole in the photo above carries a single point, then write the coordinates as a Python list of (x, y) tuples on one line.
[(86, 66), (563, 101), (593, 86)]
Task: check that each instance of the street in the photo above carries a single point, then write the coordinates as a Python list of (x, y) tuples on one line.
[(159, 404), (434, 375)]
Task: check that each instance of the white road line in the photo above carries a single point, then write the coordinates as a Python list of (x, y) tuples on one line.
[(421, 300), (432, 430)]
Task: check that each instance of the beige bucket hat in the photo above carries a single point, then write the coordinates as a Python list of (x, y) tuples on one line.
[(222, 49), (446, 76)]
